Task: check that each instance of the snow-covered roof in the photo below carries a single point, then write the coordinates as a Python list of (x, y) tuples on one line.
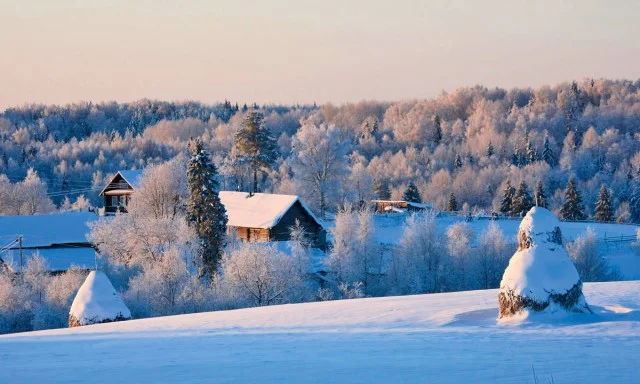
[(97, 301), (132, 177), (58, 258), (262, 210), (46, 230)]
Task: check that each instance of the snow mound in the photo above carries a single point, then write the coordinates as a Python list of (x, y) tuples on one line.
[(97, 302), (540, 275)]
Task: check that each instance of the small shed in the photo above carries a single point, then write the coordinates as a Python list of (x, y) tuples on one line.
[(60, 238), (399, 206), (117, 193), (269, 217)]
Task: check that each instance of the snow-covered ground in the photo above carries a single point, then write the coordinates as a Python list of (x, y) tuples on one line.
[(440, 338)]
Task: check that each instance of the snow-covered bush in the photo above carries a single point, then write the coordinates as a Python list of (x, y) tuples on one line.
[(257, 274), (540, 275), (491, 258), (587, 257)]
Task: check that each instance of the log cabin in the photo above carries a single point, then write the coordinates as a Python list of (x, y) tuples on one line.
[(269, 217), (118, 191)]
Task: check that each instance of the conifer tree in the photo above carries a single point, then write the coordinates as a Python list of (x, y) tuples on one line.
[(508, 194), (452, 203), (604, 210), (522, 201), (516, 158), (205, 212), (539, 196), (411, 194), (382, 190), (437, 135), (490, 150), (255, 145), (547, 153), (458, 162), (532, 153), (572, 209), (634, 203)]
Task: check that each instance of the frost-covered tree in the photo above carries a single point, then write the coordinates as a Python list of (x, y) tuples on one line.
[(417, 265), (490, 150), (458, 162), (508, 194), (604, 209), (381, 190), (437, 129), (547, 152), (539, 196), (255, 145), (587, 257), (492, 256), (320, 163), (257, 274), (572, 208), (460, 237), (32, 195), (205, 211), (163, 190), (355, 256), (634, 203), (411, 194)]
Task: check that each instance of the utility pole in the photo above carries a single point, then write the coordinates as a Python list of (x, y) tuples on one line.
[(20, 247)]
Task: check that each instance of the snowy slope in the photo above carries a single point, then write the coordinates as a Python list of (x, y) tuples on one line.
[(442, 338)]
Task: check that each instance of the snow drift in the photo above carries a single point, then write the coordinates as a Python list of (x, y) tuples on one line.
[(97, 302), (540, 275)]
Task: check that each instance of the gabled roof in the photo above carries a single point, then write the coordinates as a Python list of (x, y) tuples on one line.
[(46, 230), (132, 177), (262, 210)]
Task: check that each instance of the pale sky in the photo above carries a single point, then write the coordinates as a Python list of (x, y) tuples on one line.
[(289, 51)]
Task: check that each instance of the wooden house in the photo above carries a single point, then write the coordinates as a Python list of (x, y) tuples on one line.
[(59, 238), (398, 206), (269, 217), (119, 190)]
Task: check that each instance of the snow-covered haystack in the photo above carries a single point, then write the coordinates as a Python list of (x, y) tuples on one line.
[(97, 302), (540, 275)]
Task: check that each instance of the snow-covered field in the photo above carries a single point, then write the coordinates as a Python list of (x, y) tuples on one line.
[(439, 338)]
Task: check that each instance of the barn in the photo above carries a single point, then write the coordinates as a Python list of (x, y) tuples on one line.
[(119, 190), (60, 238), (269, 217)]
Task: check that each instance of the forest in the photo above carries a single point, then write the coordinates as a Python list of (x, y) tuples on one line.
[(471, 144)]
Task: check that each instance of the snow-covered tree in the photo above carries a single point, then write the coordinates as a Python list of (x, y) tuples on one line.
[(492, 256), (205, 211), (522, 201), (604, 209), (381, 190), (320, 163), (411, 194), (547, 152), (255, 145), (257, 274), (587, 257), (539, 196), (572, 208), (452, 203), (508, 194), (460, 237)]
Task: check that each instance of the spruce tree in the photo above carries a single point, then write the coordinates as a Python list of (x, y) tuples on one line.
[(604, 210), (458, 162), (516, 158), (452, 203), (572, 209), (634, 203), (382, 190), (411, 194), (547, 153), (532, 153), (508, 194), (490, 150), (522, 201), (255, 145), (205, 212), (539, 196), (437, 134)]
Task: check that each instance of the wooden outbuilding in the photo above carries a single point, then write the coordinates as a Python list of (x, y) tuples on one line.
[(269, 217), (398, 206)]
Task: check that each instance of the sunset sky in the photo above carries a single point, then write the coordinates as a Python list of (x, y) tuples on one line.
[(288, 51)]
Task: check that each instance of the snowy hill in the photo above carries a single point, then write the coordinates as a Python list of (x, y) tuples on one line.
[(443, 338)]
